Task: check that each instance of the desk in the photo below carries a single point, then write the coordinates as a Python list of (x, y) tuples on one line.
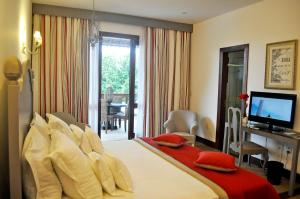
[(290, 140)]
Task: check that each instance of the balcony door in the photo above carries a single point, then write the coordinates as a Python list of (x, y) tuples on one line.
[(117, 85)]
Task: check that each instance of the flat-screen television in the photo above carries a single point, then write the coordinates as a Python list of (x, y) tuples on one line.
[(272, 108)]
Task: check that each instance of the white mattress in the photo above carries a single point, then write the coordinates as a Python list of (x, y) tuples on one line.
[(153, 177)]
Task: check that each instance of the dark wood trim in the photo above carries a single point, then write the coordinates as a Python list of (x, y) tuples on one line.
[(133, 45), (135, 38), (134, 41), (206, 142), (45, 9), (223, 77)]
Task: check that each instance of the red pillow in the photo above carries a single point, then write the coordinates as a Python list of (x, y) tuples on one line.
[(170, 139), (216, 161)]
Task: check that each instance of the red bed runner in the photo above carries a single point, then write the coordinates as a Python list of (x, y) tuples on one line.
[(241, 184)]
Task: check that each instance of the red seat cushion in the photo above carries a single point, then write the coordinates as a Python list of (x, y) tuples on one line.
[(216, 161), (170, 139)]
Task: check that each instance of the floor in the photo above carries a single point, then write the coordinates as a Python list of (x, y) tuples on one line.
[(119, 133), (116, 134), (282, 188)]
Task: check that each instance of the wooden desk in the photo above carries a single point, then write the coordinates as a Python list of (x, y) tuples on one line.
[(292, 141)]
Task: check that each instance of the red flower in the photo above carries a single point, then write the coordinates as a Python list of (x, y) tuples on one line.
[(244, 96)]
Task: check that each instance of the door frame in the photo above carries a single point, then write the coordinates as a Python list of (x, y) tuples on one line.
[(223, 78), (134, 42)]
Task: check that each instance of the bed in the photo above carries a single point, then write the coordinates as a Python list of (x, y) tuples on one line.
[(154, 174)]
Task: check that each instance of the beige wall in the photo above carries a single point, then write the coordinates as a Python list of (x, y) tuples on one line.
[(15, 24), (261, 23)]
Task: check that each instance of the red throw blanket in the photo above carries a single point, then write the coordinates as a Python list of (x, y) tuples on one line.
[(241, 184)]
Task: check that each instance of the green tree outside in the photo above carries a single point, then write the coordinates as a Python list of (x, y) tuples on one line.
[(115, 72)]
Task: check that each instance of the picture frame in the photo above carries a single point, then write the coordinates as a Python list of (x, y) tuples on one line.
[(281, 63)]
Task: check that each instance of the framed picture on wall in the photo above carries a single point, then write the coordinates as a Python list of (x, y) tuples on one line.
[(281, 61)]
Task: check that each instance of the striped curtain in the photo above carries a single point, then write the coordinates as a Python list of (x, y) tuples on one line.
[(61, 66), (167, 76)]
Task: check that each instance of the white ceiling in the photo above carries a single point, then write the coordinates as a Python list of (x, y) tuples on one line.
[(186, 11)]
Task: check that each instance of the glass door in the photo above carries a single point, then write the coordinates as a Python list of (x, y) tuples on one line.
[(235, 80), (117, 86)]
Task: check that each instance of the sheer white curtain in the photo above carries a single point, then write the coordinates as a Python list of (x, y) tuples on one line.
[(140, 67), (94, 87)]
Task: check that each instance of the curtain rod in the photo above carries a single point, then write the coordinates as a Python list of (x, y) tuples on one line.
[(109, 17)]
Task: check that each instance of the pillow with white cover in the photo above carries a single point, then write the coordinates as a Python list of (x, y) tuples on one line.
[(88, 140), (38, 120), (102, 172), (90, 137), (57, 124), (119, 171), (39, 178), (77, 133), (73, 168), (85, 145)]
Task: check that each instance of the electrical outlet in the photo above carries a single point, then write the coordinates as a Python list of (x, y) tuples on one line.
[(288, 149)]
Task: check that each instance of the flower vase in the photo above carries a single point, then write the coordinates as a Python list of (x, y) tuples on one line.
[(245, 121)]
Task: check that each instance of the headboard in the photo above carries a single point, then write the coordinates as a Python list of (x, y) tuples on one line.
[(19, 98)]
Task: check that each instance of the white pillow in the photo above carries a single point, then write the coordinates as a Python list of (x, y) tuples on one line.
[(57, 124), (85, 145), (88, 141), (102, 172), (120, 172), (39, 178), (40, 122), (73, 168), (77, 133), (94, 140)]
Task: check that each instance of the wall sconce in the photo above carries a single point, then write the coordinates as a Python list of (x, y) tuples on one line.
[(37, 42)]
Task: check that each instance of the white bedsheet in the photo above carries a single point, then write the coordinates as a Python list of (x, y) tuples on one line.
[(154, 177)]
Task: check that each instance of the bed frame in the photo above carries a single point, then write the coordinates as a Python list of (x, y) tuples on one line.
[(20, 100)]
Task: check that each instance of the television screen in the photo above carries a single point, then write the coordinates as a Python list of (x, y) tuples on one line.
[(279, 109), (272, 108)]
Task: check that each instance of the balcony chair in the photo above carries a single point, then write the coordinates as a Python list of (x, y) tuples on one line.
[(105, 118)]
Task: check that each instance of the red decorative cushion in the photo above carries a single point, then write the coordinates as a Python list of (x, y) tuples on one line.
[(216, 161), (170, 139)]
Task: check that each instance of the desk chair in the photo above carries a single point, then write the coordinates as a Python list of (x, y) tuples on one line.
[(237, 144)]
